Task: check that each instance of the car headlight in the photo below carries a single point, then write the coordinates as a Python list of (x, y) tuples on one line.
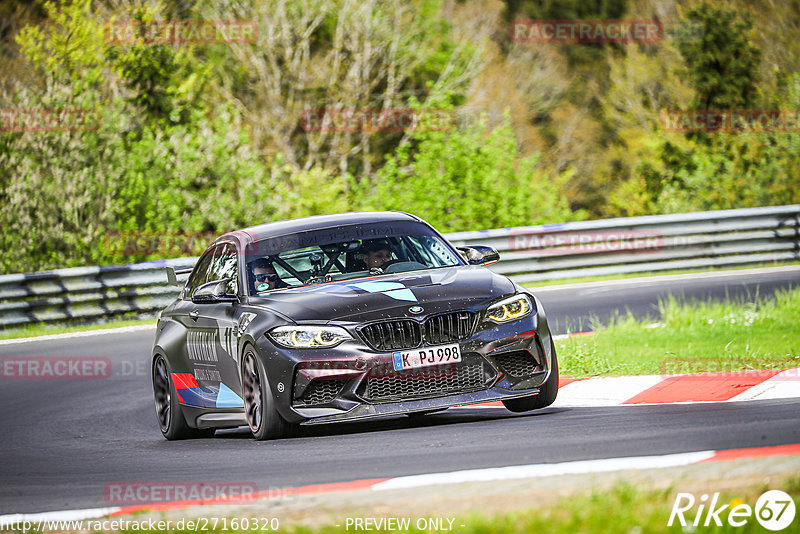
[(509, 309), (308, 337)]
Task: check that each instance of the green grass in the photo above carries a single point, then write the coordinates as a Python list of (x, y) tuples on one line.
[(45, 329), (692, 337), (623, 509), (583, 279)]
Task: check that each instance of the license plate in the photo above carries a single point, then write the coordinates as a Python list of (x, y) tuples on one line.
[(412, 359)]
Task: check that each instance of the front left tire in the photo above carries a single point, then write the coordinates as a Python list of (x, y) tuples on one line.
[(259, 404)]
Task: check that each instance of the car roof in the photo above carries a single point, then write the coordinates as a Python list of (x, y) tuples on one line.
[(315, 222)]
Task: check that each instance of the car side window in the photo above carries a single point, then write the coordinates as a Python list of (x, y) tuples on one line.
[(199, 274), (224, 265), (433, 251)]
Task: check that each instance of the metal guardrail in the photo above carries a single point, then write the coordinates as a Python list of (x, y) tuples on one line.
[(87, 293), (531, 253), (643, 244)]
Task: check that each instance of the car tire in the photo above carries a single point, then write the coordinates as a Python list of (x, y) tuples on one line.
[(547, 392), (259, 404), (170, 417)]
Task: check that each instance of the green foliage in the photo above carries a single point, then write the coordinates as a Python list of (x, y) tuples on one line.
[(154, 165), (203, 138), (726, 170), (464, 178), (723, 63), (313, 192), (162, 82), (673, 172)]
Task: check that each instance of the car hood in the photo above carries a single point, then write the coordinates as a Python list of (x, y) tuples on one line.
[(391, 295)]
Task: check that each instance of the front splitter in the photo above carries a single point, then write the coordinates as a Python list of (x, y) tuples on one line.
[(370, 411)]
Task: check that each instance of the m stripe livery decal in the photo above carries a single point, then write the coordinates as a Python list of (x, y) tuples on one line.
[(192, 394)]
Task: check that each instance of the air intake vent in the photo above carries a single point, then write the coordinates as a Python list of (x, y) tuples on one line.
[(518, 363), (470, 375), (321, 391)]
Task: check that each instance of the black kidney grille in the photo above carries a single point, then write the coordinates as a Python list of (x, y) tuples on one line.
[(427, 382), (393, 335), (517, 363), (321, 391), (408, 334), (449, 327)]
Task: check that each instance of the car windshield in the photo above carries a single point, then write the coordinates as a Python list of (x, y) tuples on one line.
[(344, 253)]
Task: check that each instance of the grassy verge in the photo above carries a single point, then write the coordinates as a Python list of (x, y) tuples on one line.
[(621, 509), (44, 329), (692, 337), (582, 279)]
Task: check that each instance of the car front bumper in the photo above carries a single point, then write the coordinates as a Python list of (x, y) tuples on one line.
[(514, 361)]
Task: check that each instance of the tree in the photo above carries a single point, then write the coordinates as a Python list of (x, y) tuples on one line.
[(723, 64), (165, 164), (466, 178), (337, 55)]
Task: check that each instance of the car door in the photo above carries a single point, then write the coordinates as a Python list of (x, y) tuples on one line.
[(211, 345)]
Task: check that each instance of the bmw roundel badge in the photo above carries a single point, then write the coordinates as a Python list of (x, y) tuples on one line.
[(416, 309)]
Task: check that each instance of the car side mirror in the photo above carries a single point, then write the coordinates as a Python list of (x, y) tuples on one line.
[(479, 254), (213, 292)]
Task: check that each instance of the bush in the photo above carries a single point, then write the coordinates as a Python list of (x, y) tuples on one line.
[(466, 178)]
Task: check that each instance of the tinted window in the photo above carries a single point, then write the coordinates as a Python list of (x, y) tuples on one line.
[(199, 275), (224, 265)]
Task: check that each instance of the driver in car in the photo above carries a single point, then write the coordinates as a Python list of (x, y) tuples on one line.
[(266, 277), (376, 253)]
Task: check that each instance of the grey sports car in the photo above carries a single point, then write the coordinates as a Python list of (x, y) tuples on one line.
[(341, 318)]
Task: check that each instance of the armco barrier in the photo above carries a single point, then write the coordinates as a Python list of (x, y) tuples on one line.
[(643, 244), (86, 293), (532, 253)]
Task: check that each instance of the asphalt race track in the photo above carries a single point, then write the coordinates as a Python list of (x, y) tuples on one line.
[(63, 440)]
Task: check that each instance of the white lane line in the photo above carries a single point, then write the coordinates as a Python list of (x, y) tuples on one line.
[(86, 333), (545, 470), (660, 279), (66, 515)]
